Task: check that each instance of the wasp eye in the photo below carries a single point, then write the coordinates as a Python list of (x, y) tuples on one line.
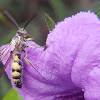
[(19, 33)]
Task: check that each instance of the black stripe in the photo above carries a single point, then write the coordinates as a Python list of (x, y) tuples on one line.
[(16, 77), (19, 55), (13, 70), (19, 62), (17, 70), (18, 84)]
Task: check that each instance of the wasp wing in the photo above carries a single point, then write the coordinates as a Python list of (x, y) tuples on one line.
[(4, 51), (7, 62)]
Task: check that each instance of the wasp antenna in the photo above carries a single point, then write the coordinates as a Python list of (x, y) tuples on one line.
[(8, 15), (28, 22)]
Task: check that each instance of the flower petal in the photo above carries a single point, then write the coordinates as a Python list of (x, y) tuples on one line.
[(65, 64)]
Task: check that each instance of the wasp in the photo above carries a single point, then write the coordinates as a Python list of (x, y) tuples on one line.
[(17, 45)]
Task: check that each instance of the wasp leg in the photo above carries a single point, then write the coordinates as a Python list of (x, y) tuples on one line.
[(25, 57), (45, 47), (32, 47), (36, 47), (29, 39)]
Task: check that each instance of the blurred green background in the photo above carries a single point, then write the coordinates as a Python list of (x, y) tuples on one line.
[(23, 10)]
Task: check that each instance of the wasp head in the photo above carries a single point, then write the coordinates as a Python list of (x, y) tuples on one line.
[(22, 32)]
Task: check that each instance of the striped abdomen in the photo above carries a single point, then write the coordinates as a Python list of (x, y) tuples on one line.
[(17, 70)]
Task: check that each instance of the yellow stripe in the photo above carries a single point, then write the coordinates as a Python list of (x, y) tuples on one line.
[(15, 65), (29, 39), (15, 73), (15, 80), (16, 58)]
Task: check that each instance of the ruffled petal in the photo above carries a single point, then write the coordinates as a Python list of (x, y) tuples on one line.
[(73, 49)]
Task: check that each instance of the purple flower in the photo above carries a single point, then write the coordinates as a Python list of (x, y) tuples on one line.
[(69, 65)]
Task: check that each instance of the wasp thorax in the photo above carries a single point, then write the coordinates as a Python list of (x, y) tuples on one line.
[(21, 31)]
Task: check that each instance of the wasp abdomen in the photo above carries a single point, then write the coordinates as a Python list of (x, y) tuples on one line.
[(17, 70)]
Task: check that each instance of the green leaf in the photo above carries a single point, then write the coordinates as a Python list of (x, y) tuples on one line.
[(2, 18), (7, 38), (50, 22), (12, 95), (60, 9), (97, 11)]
